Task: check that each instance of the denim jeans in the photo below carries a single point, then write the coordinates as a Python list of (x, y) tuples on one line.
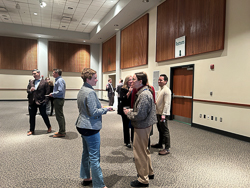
[(91, 160)]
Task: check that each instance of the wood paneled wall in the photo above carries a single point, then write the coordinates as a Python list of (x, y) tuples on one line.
[(201, 21), (68, 56), (18, 53), (109, 55), (134, 43)]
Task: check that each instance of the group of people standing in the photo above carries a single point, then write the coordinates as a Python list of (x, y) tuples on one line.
[(139, 111), (39, 93), (136, 105)]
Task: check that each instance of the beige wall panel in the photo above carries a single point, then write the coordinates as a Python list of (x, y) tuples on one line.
[(13, 94), (234, 119)]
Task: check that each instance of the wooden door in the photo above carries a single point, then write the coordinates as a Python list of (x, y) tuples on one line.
[(182, 89)]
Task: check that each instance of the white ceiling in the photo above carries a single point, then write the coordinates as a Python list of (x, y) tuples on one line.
[(92, 21)]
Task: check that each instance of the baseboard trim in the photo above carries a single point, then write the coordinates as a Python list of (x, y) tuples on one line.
[(225, 133)]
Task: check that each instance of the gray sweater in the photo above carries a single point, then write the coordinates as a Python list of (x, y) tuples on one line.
[(144, 112), (90, 109)]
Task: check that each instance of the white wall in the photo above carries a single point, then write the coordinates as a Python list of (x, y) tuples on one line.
[(227, 81)]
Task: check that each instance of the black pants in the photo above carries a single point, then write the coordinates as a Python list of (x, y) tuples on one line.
[(126, 135), (33, 111), (164, 135)]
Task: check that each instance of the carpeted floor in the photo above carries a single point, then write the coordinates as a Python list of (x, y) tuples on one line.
[(198, 158)]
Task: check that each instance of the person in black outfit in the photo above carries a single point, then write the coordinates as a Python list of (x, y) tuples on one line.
[(125, 101), (51, 86)]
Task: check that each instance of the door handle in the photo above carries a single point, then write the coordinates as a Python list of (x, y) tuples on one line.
[(182, 96)]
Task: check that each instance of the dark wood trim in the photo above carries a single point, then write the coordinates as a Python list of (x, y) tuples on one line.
[(225, 133), (11, 89), (66, 89), (220, 102)]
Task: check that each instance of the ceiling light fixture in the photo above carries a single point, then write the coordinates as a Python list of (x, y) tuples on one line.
[(116, 25), (42, 4), (35, 13), (145, 1)]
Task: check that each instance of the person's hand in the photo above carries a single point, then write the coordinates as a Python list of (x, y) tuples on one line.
[(32, 88), (125, 110), (163, 118), (109, 108), (50, 95), (130, 89)]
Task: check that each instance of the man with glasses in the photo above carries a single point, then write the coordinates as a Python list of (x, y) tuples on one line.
[(38, 91), (163, 104)]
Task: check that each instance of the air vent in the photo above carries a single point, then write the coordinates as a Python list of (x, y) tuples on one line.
[(3, 9), (66, 19)]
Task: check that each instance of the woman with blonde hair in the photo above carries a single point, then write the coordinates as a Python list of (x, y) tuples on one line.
[(125, 101)]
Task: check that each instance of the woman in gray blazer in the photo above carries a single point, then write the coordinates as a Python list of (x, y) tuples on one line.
[(88, 124)]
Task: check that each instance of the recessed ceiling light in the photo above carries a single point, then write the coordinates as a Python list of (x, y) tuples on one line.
[(100, 38), (63, 26), (83, 24), (145, 1), (70, 8), (116, 25), (117, 29), (4, 16), (35, 13), (42, 4), (84, 41)]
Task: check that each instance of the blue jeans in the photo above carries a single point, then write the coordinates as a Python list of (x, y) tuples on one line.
[(91, 160)]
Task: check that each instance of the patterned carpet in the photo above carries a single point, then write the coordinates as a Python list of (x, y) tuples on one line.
[(198, 158)]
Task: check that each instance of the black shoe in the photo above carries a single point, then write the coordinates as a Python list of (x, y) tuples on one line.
[(156, 146), (128, 145), (136, 183), (151, 177), (85, 183)]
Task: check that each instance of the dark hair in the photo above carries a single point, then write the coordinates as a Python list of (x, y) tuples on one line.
[(165, 77), (87, 73), (38, 71), (143, 77), (121, 80), (59, 71)]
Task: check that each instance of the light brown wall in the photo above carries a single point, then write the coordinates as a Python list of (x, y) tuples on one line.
[(18, 53), (201, 21), (109, 55), (134, 43), (68, 56)]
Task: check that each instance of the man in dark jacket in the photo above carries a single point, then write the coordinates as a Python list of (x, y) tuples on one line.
[(38, 91), (111, 92)]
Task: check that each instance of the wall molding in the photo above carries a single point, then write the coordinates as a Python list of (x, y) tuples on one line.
[(220, 102)]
